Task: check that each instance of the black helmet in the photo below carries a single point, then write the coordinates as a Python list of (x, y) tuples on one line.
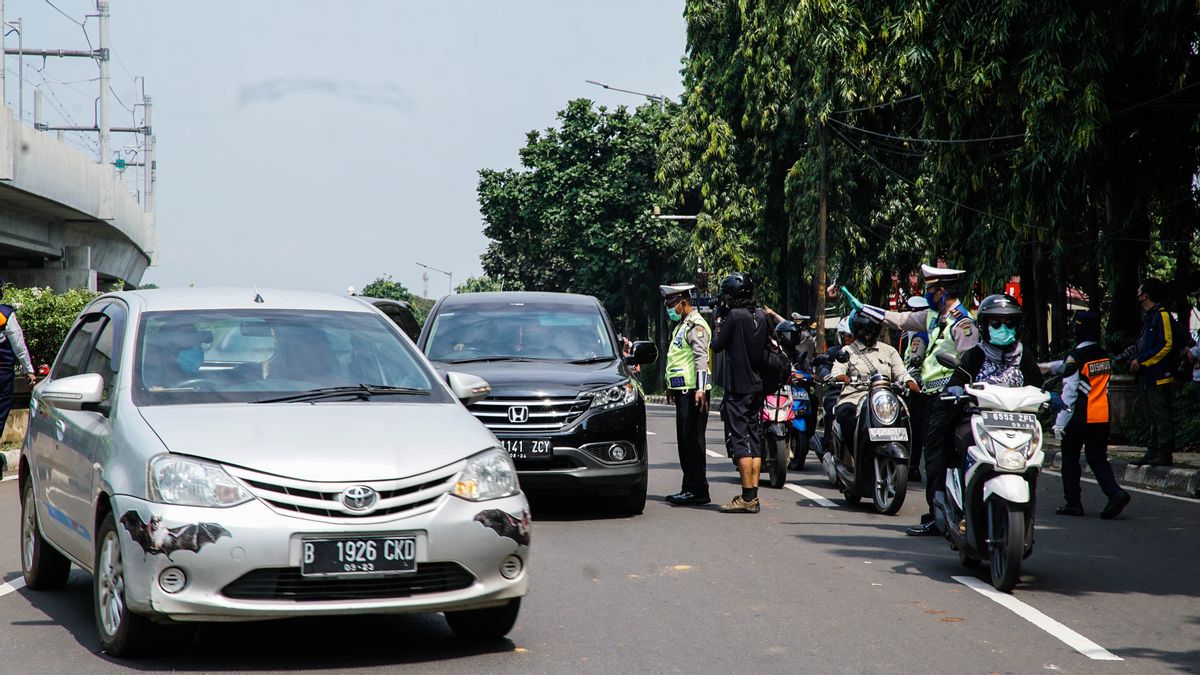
[(999, 309), (737, 285), (865, 328), (787, 334)]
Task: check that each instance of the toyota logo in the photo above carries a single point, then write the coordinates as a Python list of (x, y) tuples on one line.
[(359, 498), (518, 414)]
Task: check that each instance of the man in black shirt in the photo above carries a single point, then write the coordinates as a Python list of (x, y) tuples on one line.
[(741, 333)]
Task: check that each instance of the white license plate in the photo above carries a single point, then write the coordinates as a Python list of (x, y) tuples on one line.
[(888, 434)]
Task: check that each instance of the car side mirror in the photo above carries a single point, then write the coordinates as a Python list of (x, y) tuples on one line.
[(949, 360), (75, 392), (468, 388), (642, 353)]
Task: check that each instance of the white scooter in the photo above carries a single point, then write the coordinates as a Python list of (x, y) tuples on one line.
[(987, 510)]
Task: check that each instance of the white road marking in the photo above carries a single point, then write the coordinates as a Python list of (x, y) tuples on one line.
[(805, 492), (710, 453), (1144, 491), (651, 433), (12, 477), (1069, 637), (12, 586)]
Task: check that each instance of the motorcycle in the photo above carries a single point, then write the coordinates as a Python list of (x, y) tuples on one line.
[(802, 434), (777, 417), (872, 459), (987, 510), (823, 443)]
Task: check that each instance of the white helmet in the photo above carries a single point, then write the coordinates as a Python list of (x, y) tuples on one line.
[(843, 327)]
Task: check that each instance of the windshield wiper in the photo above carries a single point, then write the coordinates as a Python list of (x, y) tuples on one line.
[(482, 359), (362, 391), (592, 359)]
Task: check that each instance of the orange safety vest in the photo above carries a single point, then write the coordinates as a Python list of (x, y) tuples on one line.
[(1095, 370)]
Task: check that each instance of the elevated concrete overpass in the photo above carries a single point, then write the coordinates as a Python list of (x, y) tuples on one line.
[(65, 220)]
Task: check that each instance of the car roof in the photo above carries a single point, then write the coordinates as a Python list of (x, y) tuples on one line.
[(505, 297), (170, 299), (384, 301)]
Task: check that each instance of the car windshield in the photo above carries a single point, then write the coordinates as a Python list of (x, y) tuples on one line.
[(212, 356), (517, 330)]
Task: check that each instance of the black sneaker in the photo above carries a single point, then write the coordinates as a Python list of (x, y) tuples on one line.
[(1069, 510), (1116, 504)]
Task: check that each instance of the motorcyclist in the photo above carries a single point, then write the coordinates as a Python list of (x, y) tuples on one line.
[(868, 355)]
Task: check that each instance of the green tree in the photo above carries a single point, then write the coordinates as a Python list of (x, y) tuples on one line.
[(46, 316), (387, 287), (483, 284), (577, 215)]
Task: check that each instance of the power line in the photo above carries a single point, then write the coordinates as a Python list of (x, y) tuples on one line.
[(69, 17), (907, 139), (879, 105), (1156, 98)]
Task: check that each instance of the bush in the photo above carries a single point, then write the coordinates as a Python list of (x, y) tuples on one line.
[(1135, 430), (46, 316)]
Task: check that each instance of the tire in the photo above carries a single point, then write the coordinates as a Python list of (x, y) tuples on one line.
[(851, 498), (122, 633), (969, 563), (1008, 544), (777, 448), (492, 623), (633, 503), (891, 485), (830, 469), (44, 568), (800, 446)]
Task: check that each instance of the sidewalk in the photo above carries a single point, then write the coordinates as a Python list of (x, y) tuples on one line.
[(1181, 480)]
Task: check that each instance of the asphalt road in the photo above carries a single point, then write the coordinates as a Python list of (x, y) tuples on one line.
[(799, 587)]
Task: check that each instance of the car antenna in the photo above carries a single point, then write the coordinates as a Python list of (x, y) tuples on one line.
[(258, 296)]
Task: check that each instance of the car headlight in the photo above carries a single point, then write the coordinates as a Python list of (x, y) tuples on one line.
[(614, 396), (187, 482), (488, 475), (886, 406)]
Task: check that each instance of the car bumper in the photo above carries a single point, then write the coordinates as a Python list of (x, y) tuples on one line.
[(578, 462), (458, 555)]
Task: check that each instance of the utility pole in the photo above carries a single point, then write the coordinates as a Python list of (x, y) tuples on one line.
[(822, 212), (148, 171), (102, 57)]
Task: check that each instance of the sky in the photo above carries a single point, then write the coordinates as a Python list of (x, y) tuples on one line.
[(321, 145)]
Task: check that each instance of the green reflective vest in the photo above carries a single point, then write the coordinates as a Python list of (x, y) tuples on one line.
[(681, 361), (934, 375)]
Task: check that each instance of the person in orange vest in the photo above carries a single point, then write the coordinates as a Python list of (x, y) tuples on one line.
[(1085, 424)]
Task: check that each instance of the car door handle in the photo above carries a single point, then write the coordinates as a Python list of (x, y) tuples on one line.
[(61, 427)]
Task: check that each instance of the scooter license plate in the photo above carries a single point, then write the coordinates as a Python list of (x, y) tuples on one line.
[(888, 434), (1008, 420)]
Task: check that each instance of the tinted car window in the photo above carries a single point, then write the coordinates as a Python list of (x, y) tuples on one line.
[(245, 355), (100, 361), (519, 330), (75, 351)]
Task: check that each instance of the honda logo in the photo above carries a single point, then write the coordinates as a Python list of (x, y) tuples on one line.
[(518, 414), (359, 498)]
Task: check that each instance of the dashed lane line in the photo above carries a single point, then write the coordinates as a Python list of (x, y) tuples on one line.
[(1144, 491), (710, 453), (11, 586), (809, 494), (651, 433), (1034, 616), (12, 477)]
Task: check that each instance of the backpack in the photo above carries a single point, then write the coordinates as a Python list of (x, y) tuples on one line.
[(774, 367)]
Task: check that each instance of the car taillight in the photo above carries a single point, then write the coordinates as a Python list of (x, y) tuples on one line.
[(43, 370)]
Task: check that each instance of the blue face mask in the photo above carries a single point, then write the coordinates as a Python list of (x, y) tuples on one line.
[(1002, 336), (672, 314), (935, 305), (190, 359)]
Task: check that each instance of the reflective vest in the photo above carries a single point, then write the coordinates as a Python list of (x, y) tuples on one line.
[(681, 360), (1095, 369), (934, 375)]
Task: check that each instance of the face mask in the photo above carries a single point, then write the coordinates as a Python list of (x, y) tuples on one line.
[(1002, 336), (190, 359), (672, 314), (935, 305)]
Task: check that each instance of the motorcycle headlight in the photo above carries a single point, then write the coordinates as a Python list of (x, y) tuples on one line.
[(1013, 460), (187, 482), (488, 475), (613, 397), (885, 406)]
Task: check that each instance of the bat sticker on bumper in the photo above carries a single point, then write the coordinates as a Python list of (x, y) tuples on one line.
[(505, 525), (156, 539)]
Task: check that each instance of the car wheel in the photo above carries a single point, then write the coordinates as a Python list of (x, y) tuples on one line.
[(492, 623), (44, 568), (122, 633), (633, 503)]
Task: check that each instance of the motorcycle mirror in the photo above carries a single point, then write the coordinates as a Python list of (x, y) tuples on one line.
[(843, 356), (949, 360)]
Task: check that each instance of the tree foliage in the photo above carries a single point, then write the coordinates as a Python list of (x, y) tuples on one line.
[(389, 288), (45, 317), (577, 215), (483, 284)]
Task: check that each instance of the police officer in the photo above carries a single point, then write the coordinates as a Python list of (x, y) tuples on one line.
[(689, 364), (951, 330), (13, 353), (1084, 425)]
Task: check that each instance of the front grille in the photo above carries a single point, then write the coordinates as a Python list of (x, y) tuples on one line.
[(286, 583), (545, 413), (407, 495), (555, 463)]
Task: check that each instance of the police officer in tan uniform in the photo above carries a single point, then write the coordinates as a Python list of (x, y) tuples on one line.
[(689, 381)]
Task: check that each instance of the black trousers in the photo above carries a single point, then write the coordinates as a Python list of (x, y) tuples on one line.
[(6, 396), (690, 425), (918, 414), (1156, 399), (847, 416), (742, 415), (939, 445), (1093, 440)]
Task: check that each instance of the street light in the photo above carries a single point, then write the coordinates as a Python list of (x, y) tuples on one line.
[(662, 100), (449, 275)]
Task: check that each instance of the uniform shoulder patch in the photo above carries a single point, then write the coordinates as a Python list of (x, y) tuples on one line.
[(966, 329)]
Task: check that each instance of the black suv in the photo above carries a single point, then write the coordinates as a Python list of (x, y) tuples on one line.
[(563, 401)]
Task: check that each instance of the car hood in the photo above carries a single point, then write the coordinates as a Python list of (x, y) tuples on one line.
[(332, 441), (540, 378)]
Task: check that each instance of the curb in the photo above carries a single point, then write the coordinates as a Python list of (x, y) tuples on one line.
[(1165, 479)]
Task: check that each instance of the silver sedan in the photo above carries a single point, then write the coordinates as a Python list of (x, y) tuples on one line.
[(251, 454)]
